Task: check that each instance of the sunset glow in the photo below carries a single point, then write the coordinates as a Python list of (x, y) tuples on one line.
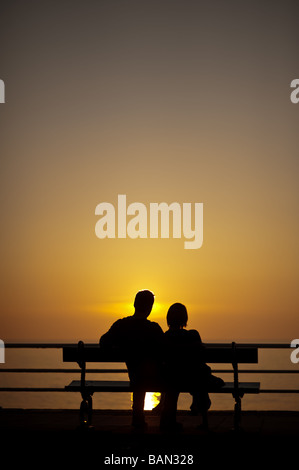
[(165, 105)]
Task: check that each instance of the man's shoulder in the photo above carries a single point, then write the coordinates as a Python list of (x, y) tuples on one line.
[(155, 325), (133, 318), (122, 321), (131, 323)]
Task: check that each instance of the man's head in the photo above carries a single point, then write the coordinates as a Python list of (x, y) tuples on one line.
[(143, 303)]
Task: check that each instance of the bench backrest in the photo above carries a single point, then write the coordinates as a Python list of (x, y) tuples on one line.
[(222, 354)]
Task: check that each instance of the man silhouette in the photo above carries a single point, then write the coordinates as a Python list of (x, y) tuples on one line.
[(140, 341)]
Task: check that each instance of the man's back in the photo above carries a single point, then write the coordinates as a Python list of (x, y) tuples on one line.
[(133, 334), (140, 340)]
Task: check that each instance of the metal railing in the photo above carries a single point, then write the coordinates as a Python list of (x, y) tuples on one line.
[(124, 370)]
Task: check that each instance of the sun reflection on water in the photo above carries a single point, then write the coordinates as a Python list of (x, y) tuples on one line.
[(152, 399)]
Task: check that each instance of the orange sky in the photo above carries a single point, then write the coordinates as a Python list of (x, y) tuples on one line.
[(182, 104)]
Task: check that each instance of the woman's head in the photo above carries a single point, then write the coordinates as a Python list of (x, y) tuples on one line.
[(177, 316)]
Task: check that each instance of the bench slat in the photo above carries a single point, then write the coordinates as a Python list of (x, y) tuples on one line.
[(220, 355), (124, 386)]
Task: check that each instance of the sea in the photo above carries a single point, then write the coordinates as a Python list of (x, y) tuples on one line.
[(21, 358)]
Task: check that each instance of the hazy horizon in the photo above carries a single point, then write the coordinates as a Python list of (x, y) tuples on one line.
[(163, 102)]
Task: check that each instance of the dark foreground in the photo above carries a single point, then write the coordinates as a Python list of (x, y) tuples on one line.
[(53, 438)]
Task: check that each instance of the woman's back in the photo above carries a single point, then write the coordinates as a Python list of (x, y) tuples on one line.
[(183, 353)]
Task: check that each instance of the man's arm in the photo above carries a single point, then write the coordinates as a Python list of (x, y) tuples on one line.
[(111, 338), (158, 339)]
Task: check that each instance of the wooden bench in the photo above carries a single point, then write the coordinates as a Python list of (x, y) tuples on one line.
[(81, 354)]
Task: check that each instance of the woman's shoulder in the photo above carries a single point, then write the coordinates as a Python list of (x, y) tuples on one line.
[(194, 334), (183, 333)]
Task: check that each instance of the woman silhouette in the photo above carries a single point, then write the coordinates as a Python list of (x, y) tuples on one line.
[(185, 368)]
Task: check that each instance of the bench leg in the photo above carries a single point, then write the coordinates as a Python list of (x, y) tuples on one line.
[(237, 413), (205, 421), (86, 411)]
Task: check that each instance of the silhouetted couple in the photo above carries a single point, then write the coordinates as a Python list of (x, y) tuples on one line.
[(157, 361)]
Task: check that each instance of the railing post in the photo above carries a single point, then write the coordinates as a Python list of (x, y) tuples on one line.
[(86, 404), (81, 362), (236, 393)]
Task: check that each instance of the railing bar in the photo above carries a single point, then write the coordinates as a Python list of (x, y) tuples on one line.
[(124, 371), (31, 389), (278, 391), (258, 371), (65, 371), (262, 371), (40, 345), (56, 389), (62, 345)]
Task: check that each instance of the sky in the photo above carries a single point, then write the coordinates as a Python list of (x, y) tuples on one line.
[(161, 101)]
